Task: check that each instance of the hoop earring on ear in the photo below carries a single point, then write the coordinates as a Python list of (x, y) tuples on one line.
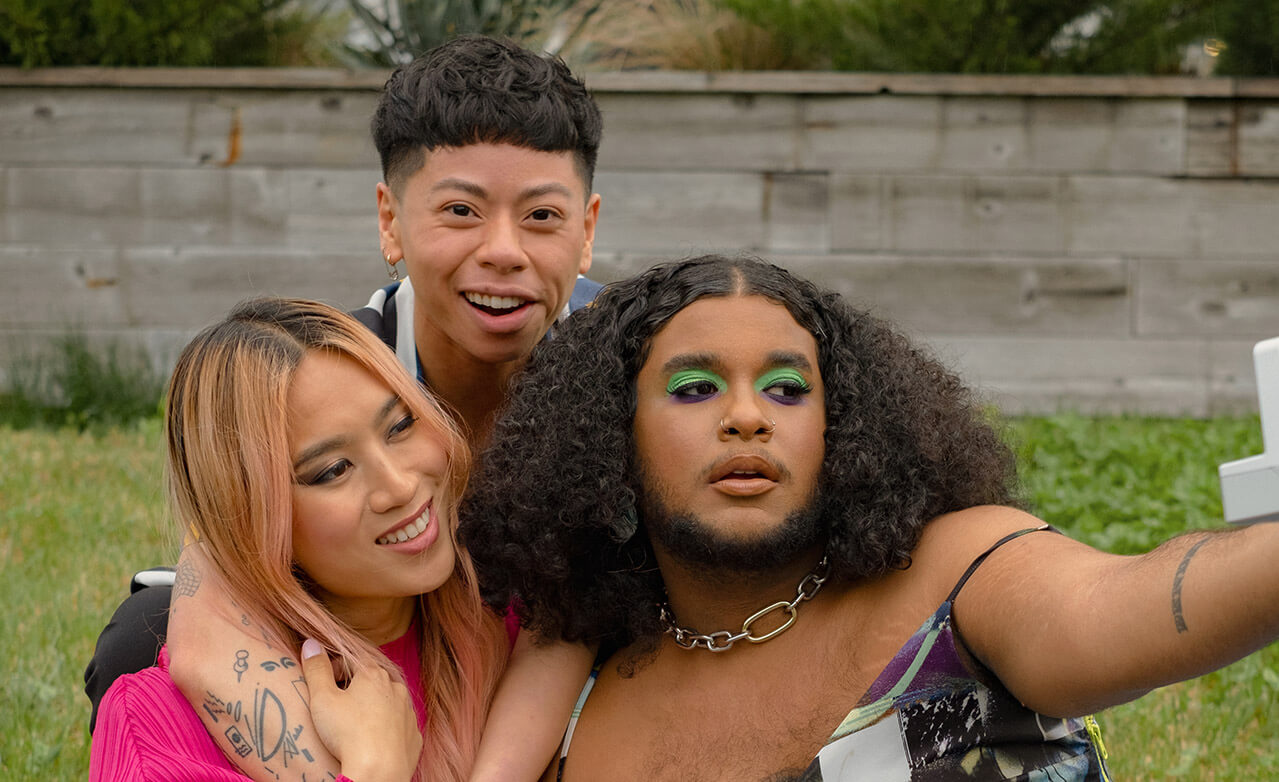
[(391, 271)]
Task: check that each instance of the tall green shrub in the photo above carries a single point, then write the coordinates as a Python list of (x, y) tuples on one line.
[(36, 33), (81, 385), (398, 30), (1250, 31), (982, 36)]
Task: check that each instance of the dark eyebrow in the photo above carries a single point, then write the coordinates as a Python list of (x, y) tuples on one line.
[(549, 188), (324, 446), (788, 358), (690, 361), (537, 191), (777, 358), (454, 183)]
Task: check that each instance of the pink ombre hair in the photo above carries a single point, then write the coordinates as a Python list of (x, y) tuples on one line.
[(229, 480)]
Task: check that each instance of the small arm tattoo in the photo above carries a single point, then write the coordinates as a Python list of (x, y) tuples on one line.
[(1177, 615), (260, 730)]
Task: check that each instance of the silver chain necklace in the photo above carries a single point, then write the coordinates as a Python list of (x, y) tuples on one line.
[(723, 640)]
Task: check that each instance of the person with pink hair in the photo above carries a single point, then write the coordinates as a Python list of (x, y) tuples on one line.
[(322, 484)]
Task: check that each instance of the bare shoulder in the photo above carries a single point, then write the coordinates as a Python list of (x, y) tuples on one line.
[(952, 541)]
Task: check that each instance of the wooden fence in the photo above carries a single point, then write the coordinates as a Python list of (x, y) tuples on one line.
[(1100, 244)]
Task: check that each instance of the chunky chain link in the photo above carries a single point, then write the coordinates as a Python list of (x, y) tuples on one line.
[(723, 640)]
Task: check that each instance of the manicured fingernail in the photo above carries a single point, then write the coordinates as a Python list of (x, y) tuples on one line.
[(310, 648)]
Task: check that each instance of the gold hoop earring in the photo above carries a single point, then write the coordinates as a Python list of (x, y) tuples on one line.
[(391, 271)]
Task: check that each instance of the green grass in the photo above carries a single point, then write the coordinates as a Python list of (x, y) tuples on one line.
[(79, 512), (1125, 485)]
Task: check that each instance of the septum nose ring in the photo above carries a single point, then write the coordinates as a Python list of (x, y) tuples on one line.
[(727, 429)]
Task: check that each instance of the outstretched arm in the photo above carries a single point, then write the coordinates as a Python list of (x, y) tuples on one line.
[(1071, 630), (250, 695), (531, 709)]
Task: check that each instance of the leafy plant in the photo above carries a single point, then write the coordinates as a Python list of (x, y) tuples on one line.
[(404, 29), (940, 36), (36, 33), (1250, 31), (78, 385)]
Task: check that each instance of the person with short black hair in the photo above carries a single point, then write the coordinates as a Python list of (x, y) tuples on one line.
[(488, 154)]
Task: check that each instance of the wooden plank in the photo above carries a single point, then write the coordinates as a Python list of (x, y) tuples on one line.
[(1222, 299), (1070, 134), (1211, 138), (807, 82), (61, 127), (1235, 218), (1128, 214), (1110, 376), (76, 205), (197, 78), (981, 296), (699, 133), (1149, 136), (857, 212), (984, 134), (177, 287), (678, 214), (185, 206), (61, 287), (259, 205), (946, 214), (1258, 144), (333, 209), (238, 127), (871, 134), (796, 213)]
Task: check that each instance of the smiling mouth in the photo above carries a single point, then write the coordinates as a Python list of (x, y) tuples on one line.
[(408, 531), (495, 305)]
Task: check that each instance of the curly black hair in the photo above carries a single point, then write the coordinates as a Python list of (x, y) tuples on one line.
[(476, 89), (552, 516)]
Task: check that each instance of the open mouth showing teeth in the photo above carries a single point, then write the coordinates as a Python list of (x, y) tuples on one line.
[(495, 305), (407, 532)]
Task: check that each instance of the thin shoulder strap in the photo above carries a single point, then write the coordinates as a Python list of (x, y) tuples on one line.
[(954, 593), (577, 713)]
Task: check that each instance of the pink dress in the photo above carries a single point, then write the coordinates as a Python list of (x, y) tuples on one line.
[(148, 732)]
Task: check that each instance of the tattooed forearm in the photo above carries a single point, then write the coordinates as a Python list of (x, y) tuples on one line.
[(1177, 616), (187, 579), (260, 731)]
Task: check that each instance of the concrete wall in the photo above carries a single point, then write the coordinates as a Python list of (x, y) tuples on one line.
[(1100, 244)]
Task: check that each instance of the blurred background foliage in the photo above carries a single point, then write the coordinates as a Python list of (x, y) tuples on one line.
[(1235, 37), (35, 33)]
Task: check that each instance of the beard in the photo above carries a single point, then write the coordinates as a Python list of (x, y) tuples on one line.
[(698, 545)]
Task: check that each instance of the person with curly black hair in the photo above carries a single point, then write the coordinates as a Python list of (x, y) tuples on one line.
[(717, 443)]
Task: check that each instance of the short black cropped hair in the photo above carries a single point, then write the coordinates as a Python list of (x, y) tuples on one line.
[(552, 515), (481, 90)]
